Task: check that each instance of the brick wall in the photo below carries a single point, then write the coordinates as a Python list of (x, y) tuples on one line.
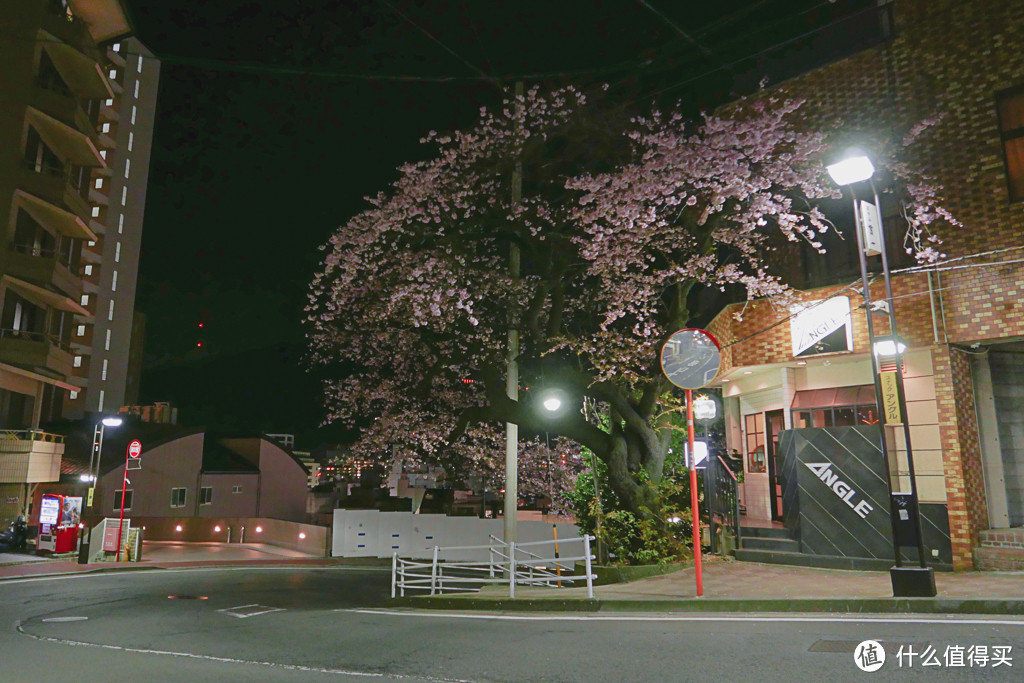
[(950, 58)]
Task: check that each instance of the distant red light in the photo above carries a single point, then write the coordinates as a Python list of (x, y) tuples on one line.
[(200, 324), (199, 345)]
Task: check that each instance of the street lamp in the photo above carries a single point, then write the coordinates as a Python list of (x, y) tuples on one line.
[(92, 477), (886, 364)]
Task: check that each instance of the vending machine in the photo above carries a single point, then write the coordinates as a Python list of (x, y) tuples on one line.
[(59, 517)]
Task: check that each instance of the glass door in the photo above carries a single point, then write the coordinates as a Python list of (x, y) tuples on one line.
[(775, 423)]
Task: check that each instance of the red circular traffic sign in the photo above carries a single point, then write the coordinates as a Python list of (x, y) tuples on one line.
[(135, 448)]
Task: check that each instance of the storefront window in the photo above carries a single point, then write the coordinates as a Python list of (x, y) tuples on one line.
[(837, 407)]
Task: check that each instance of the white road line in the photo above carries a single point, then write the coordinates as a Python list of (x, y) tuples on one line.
[(773, 618), (64, 619), (191, 570), (233, 660), (231, 610)]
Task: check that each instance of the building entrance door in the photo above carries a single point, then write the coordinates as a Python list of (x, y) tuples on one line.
[(774, 423)]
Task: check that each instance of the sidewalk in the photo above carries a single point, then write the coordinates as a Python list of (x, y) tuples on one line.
[(731, 586)]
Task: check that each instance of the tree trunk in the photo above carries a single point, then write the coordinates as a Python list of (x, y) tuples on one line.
[(630, 450)]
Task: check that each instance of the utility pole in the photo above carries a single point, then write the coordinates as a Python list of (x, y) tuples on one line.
[(510, 533)]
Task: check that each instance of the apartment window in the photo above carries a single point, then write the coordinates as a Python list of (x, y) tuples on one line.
[(85, 299), (103, 153), (95, 212), (205, 495), (91, 243), (120, 223), (131, 139), (100, 406), (178, 497), (109, 102), (236, 489), (99, 183), (78, 361), (81, 331), (124, 195), (128, 495), (133, 114), (113, 282), (72, 395), (116, 47), (140, 64), (110, 313), (106, 345), (127, 167), (117, 252), (87, 270), (103, 372), (113, 73), (1010, 107), (106, 128), (136, 90)]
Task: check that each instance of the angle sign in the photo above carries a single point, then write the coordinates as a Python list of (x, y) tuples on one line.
[(135, 448)]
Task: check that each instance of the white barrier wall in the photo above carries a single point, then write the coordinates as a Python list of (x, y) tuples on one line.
[(372, 533)]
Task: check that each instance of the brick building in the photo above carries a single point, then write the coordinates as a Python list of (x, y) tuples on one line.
[(963, 322)]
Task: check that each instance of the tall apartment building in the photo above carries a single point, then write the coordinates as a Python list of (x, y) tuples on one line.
[(962, 322), (77, 105)]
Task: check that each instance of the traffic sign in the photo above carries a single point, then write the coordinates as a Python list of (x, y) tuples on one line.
[(135, 448)]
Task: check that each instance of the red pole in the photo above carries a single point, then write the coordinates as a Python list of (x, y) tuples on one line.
[(698, 569), (124, 490)]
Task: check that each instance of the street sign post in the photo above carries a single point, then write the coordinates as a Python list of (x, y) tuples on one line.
[(133, 453), (690, 360)]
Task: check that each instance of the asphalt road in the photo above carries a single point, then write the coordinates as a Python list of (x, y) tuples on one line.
[(302, 624)]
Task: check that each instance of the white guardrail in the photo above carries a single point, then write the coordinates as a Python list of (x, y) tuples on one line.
[(514, 564)]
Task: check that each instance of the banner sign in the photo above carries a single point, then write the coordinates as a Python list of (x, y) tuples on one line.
[(821, 327), (890, 398)]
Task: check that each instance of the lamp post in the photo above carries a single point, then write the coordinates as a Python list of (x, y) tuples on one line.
[(855, 167), (91, 479)]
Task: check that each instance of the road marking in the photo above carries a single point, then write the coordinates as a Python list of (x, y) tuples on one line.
[(233, 660), (63, 619), (148, 570), (246, 611), (772, 618)]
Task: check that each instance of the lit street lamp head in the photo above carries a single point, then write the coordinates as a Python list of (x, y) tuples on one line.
[(112, 421), (853, 167), (552, 403)]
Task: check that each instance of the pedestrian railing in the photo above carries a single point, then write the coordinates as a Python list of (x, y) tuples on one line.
[(511, 564)]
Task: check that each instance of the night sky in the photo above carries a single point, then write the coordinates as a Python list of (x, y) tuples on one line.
[(275, 119)]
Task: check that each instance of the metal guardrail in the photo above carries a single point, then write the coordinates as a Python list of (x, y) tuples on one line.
[(512, 564), (30, 435)]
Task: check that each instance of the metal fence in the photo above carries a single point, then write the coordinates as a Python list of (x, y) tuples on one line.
[(511, 564), (723, 505)]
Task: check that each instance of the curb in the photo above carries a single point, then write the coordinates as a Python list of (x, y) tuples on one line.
[(725, 605)]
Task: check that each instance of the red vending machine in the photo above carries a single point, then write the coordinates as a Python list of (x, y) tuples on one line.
[(59, 517)]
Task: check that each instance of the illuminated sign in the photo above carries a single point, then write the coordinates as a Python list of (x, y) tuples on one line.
[(49, 510), (821, 327), (890, 398)]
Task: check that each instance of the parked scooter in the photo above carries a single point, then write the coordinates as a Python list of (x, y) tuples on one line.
[(15, 537)]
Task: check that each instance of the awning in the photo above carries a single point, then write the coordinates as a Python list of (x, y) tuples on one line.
[(54, 217), (834, 397), (67, 141), (46, 296), (82, 73)]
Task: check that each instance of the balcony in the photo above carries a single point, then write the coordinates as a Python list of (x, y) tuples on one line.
[(53, 186), (64, 26), (68, 142), (53, 217), (36, 351), (30, 456), (44, 268)]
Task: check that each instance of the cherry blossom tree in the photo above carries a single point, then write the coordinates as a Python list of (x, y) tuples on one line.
[(617, 227)]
